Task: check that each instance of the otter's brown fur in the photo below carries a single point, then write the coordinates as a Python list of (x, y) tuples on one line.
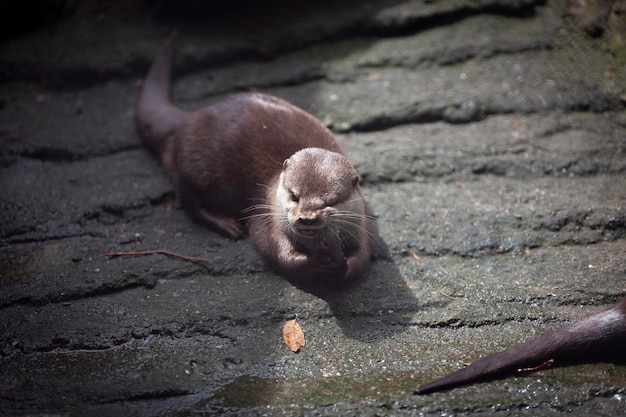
[(257, 157), (598, 337)]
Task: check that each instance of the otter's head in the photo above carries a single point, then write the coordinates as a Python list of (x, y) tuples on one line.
[(315, 185)]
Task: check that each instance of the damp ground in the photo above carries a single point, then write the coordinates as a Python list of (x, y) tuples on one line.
[(490, 138)]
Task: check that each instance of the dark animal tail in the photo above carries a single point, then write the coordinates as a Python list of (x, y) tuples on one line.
[(155, 117), (601, 336)]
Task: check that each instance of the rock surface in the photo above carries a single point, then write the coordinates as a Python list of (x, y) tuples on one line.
[(490, 136)]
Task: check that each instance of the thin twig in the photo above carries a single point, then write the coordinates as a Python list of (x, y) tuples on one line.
[(544, 365), (447, 295), (111, 255)]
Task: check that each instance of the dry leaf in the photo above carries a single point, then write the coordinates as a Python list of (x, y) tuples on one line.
[(293, 335)]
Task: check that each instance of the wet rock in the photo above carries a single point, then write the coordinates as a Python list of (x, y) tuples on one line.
[(489, 136)]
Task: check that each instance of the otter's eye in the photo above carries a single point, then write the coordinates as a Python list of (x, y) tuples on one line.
[(293, 196)]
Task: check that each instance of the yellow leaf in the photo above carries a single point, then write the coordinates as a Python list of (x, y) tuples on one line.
[(293, 335)]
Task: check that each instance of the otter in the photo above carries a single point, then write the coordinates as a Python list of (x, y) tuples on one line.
[(599, 337), (256, 162)]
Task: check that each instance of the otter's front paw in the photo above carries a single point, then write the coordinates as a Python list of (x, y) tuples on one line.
[(329, 264)]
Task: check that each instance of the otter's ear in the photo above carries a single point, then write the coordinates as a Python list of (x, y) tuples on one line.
[(285, 163), (355, 181)]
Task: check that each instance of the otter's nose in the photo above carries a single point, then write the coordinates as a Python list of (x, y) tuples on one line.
[(308, 221)]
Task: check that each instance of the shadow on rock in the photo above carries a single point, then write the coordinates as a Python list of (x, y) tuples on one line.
[(374, 308)]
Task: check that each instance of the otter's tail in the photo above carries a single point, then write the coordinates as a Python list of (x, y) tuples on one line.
[(597, 337), (155, 117)]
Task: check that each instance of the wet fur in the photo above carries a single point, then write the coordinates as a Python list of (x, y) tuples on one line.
[(242, 158), (599, 337)]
